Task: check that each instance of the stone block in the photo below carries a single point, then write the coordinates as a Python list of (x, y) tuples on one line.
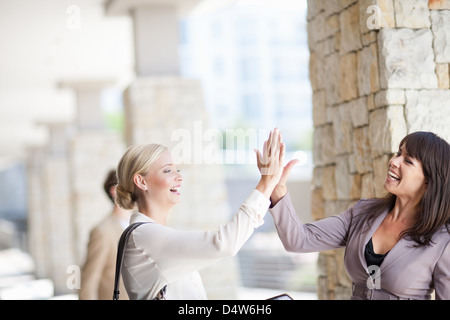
[(440, 21), (389, 97), (315, 7), (359, 112), (412, 14), (349, 27), (369, 38), (367, 186), (331, 76), (316, 182), (380, 169), (387, 127), (343, 178), (406, 59), (337, 41), (351, 163), (361, 147), (342, 129), (348, 84), (368, 74), (428, 110), (348, 186), (317, 146), (355, 187), (371, 102), (329, 183), (337, 6), (323, 145), (322, 26), (442, 73), (319, 108), (315, 71), (439, 4), (317, 204), (326, 47), (328, 148)]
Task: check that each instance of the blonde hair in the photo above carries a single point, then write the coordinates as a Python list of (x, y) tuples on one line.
[(136, 160)]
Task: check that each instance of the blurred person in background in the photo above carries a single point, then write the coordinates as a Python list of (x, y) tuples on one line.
[(97, 275)]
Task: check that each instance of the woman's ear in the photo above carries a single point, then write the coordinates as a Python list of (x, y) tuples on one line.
[(140, 182)]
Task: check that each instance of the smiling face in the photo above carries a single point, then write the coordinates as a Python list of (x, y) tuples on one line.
[(405, 176), (162, 182)]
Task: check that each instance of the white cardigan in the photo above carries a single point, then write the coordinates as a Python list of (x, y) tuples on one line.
[(157, 255)]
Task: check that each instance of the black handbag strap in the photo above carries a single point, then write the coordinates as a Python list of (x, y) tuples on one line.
[(120, 250)]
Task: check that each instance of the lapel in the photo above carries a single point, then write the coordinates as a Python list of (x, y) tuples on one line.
[(365, 237), (400, 249)]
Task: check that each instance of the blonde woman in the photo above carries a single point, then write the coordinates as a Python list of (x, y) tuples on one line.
[(158, 256)]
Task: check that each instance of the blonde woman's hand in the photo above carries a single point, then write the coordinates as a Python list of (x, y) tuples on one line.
[(270, 162)]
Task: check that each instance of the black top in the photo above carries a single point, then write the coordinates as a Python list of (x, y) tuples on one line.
[(373, 258)]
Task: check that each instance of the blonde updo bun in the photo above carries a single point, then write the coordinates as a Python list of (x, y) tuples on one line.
[(124, 198), (136, 160)]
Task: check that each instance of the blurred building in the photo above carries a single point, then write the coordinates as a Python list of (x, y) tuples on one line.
[(252, 59)]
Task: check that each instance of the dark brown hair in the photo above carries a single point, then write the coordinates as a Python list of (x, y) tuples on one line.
[(434, 154), (110, 181)]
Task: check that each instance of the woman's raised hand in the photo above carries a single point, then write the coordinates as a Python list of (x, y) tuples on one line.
[(270, 162)]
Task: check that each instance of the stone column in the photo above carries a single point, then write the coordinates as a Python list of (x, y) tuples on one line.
[(50, 225), (36, 220), (379, 69), (161, 107), (92, 151)]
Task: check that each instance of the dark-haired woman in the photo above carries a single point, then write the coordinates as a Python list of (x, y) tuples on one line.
[(397, 247)]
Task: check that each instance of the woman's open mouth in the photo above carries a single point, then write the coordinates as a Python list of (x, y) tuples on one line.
[(393, 176), (175, 189)]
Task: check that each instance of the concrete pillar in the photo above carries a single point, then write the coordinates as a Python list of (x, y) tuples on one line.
[(50, 225), (92, 151), (66, 177), (161, 107), (88, 94), (155, 29), (37, 213)]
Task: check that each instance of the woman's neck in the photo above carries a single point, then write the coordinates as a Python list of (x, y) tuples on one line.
[(154, 211), (405, 211)]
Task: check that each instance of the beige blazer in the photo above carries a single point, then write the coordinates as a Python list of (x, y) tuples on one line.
[(407, 272), (97, 275)]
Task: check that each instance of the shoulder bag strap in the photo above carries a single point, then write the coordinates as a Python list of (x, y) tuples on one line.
[(120, 250)]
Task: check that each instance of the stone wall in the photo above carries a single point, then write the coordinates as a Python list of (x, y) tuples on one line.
[(379, 69)]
